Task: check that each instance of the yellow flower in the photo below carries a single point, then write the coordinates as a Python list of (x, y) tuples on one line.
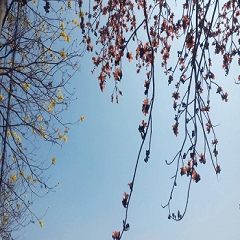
[(75, 66), (19, 139), (13, 178), (69, 4), (49, 50), (26, 118), (49, 108), (53, 160), (18, 207), (62, 54), (40, 118), (59, 136), (8, 133), (1, 98), (29, 178), (81, 14), (47, 64), (34, 2), (8, 203), (65, 131), (79, 25), (63, 34), (41, 223), (55, 58), (68, 40), (26, 86), (82, 118), (44, 25), (21, 173), (41, 128), (60, 98), (35, 180), (59, 90), (25, 195), (5, 219), (65, 139), (62, 25), (36, 31), (74, 21), (47, 191)]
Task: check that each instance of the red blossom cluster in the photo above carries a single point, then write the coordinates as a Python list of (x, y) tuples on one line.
[(175, 129), (190, 170), (209, 125), (145, 106)]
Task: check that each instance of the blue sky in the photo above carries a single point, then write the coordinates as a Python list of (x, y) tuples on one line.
[(97, 162)]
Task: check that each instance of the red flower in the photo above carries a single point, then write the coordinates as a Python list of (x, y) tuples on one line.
[(202, 159), (218, 169), (189, 41), (115, 235), (224, 97), (176, 95), (129, 56), (175, 129), (215, 142), (130, 185), (144, 124), (124, 201), (207, 108)]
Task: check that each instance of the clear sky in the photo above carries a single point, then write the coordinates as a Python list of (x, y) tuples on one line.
[(97, 162)]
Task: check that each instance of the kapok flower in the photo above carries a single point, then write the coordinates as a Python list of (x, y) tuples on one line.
[(176, 95), (116, 235), (21, 173), (207, 108), (218, 169), (129, 56), (1, 98), (224, 97), (130, 185), (144, 124), (145, 106), (209, 125), (124, 201), (175, 128), (202, 158), (64, 138), (215, 142), (189, 40)]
